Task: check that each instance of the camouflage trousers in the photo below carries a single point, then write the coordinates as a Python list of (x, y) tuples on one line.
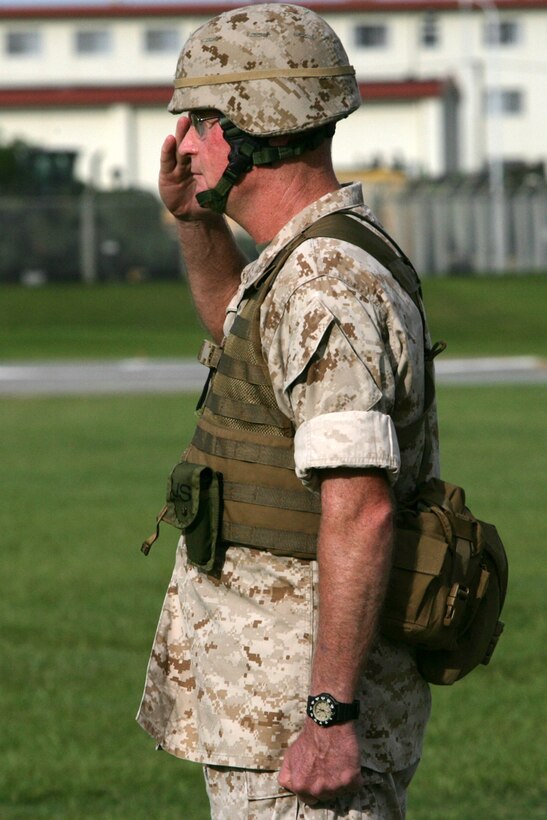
[(243, 794)]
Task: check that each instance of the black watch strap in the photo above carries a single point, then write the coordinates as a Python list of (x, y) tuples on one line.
[(347, 711), (325, 710)]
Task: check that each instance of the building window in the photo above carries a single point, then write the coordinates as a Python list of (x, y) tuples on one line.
[(501, 32), (22, 42), (429, 30), (371, 36), (161, 40), (504, 101), (92, 41)]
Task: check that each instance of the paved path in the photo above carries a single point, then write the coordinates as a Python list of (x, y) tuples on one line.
[(122, 376), (181, 375), (508, 370)]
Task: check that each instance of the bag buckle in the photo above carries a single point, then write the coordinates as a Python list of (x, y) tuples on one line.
[(457, 593)]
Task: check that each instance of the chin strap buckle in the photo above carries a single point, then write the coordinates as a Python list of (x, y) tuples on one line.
[(247, 151)]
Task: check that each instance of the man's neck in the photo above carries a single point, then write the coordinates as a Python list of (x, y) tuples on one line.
[(268, 198)]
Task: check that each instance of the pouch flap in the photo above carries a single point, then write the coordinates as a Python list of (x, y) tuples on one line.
[(416, 552), (183, 490), (439, 493)]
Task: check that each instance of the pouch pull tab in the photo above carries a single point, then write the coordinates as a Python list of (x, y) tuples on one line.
[(146, 545), (437, 348)]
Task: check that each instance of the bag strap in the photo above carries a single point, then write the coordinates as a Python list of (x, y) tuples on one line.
[(360, 231)]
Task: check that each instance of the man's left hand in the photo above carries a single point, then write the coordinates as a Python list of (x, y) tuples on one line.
[(322, 763)]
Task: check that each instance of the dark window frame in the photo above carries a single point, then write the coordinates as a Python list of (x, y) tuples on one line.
[(371, 35), (14, 44), (91, 41)]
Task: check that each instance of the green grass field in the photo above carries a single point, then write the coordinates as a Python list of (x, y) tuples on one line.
[(477, 316), (82, 479)]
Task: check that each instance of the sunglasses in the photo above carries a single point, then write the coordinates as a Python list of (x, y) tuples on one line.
[(198, 120)]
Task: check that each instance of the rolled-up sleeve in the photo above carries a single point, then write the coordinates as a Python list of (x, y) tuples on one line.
[(346, 439)]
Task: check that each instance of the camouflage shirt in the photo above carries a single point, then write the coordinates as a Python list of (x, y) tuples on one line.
[(230, 668)]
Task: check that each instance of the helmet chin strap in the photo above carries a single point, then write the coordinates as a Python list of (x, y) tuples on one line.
[(247, 151)]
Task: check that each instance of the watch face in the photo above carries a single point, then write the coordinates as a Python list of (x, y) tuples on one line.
[(323, 710)]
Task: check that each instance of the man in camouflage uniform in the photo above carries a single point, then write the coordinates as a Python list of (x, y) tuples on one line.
[(239, 651)]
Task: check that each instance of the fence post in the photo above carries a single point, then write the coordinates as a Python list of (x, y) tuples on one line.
[(88, 239), (539, 229)]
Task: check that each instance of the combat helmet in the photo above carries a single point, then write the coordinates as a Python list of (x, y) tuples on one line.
[(271, 69)]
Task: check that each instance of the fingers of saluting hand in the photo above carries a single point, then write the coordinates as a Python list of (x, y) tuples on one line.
[(170, 156)]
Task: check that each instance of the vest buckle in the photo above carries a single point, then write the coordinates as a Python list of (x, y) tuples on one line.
[(209, 354)]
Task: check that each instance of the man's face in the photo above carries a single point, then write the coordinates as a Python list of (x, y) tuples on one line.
[(204, 143)]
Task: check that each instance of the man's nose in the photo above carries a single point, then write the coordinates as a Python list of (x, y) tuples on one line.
[(189, 142)]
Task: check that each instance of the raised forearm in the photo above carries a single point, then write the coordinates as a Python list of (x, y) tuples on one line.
[(214, 263), (213, 259)]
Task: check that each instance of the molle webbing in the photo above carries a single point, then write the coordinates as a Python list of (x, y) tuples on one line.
[(264, 504), (243, 434), (242, 450)]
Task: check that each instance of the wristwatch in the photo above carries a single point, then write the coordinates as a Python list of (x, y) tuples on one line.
[(326, 710)]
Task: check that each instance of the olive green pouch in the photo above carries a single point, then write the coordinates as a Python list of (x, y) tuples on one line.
[(193, 506)]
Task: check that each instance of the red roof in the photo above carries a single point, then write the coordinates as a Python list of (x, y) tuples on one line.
[(159, 95), (404, 89), (211, 9), (95, 96)]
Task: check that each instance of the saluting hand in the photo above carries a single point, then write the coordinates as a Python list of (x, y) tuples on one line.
[(176, 184)]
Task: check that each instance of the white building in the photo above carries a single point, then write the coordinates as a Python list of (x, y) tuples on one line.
[(445, 85)]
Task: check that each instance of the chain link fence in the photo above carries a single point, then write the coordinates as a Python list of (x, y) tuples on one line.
[(90, 237), (127, 235), (459, 230)]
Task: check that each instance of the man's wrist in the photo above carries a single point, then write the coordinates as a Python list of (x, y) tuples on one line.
[(325, 710)]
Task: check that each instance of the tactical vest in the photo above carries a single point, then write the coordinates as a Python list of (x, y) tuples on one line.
[(243, 435)]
